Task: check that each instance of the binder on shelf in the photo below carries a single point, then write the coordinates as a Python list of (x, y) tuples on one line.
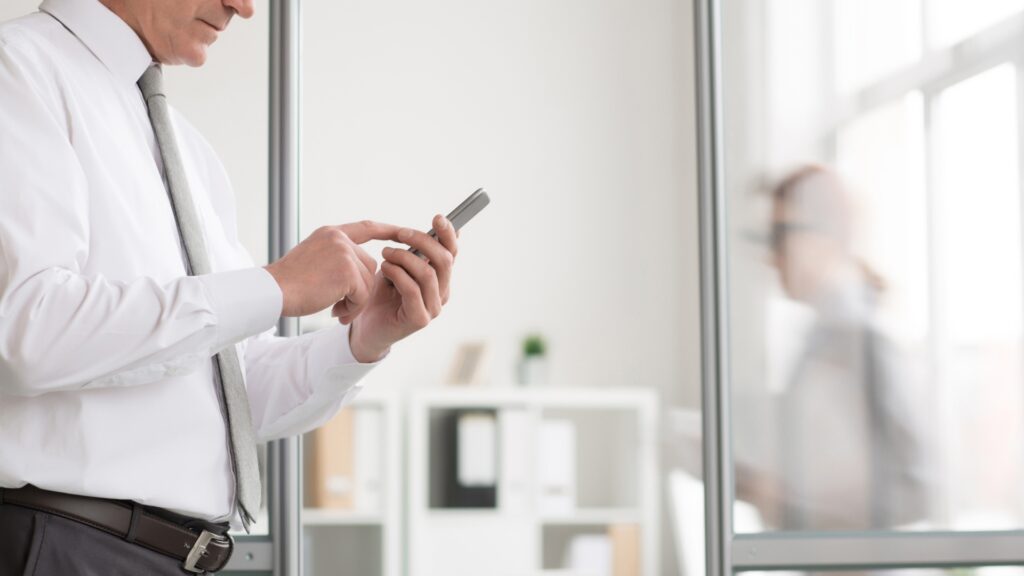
[(556, 466), (515, 487), (344, 462), (477, 461), (329, 465), (472, 471), (369, 462), (625, 539), (589, 554)]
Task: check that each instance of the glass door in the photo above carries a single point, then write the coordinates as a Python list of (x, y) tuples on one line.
[(862, 261), (568, 114)]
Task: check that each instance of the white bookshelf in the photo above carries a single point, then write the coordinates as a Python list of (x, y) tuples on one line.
[(616, 480), (322, 517), (595, 516), (363, 542)]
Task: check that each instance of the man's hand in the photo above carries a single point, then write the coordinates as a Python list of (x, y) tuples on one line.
[(419, 288), (329, 268)]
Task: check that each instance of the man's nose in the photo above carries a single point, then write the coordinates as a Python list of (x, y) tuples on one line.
[(243, 8)]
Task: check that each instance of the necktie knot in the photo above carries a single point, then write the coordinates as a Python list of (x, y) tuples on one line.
[(152, 82)]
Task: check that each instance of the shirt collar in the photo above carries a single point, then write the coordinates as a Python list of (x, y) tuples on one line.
[(108, 37)]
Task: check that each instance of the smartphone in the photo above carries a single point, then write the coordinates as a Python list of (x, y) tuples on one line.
[(464, 212)]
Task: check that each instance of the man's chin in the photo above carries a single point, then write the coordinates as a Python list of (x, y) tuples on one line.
[(195, 58)]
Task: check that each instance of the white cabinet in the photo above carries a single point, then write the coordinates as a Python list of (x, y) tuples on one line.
[(575, 469), (503, 482)]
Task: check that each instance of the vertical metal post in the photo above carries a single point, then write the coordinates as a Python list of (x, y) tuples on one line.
[(284, 456), (1018, 70), (717, 484), (945, 412)]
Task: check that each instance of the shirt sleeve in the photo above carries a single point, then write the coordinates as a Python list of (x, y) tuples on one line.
[(297, 384), (59, 328)]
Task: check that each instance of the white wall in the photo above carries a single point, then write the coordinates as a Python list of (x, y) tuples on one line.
[(577, 117)]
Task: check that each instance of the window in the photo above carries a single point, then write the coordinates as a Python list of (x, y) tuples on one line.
[(872, 305)]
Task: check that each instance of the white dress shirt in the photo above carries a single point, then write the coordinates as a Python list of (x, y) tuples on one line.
[(106, 385)]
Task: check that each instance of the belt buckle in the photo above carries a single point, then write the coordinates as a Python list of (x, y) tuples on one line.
[(198, 550)]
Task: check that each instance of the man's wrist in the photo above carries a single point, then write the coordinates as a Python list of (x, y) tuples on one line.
[(363, 353)]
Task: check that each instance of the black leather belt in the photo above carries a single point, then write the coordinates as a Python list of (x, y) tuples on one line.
[(199, 552)]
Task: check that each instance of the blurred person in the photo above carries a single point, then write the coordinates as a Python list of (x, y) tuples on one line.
[(851, 448), (138, 363)]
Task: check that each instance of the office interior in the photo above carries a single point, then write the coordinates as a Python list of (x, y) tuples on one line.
[(809, 208)]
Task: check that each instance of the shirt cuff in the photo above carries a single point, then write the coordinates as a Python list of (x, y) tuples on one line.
[(245, 302), (330, 358)]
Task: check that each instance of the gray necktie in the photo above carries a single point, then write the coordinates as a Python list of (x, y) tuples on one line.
[(235, 401)]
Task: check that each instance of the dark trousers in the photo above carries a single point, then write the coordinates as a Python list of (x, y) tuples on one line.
[(34, 543)]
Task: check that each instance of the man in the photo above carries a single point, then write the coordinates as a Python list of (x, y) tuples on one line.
[(138, 366)]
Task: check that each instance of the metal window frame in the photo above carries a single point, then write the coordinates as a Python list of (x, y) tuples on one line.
[(284, 457), (717, 485), (726, 552), (281, 552), (939, 68), (788, 551)]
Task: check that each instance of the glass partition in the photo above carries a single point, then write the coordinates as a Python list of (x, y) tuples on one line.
[(872, 332), (521, 432), (880, 228)]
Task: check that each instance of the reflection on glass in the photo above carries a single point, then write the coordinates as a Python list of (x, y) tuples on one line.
[(876, 323), (950, 21), (873, 38), (882, 153), (978, 360)]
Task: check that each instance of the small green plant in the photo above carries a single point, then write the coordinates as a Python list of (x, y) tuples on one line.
[(534, 345)]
